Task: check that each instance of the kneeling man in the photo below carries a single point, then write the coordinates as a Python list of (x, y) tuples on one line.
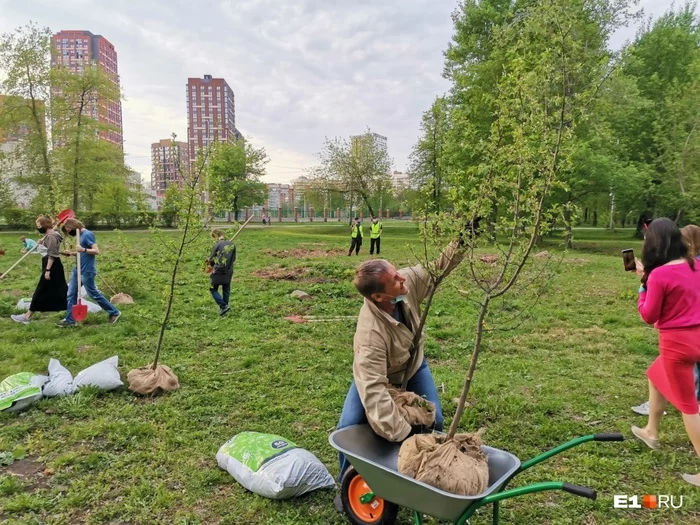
[(382, 346)]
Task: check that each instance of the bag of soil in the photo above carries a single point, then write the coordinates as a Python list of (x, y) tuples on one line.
[(20, 390), (272, 466)]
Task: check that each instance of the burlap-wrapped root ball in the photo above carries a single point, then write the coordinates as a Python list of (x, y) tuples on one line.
[(121, 298), (415, 409), (457, 466), (152, 381)]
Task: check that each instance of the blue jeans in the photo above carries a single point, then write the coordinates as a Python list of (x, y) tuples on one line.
[(88, 281), (221, 301), (354, 412)]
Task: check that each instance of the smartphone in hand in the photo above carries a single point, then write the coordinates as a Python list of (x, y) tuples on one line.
[(628, 259)]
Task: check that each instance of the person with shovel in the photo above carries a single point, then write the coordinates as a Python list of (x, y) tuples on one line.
[(383, 344), (88, 250), (222, 257), (27, 244)]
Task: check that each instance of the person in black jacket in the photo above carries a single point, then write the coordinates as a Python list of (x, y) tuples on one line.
[(222, 257)]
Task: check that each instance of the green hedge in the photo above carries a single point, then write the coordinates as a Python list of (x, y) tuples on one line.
[(20, 218), (23, 219)]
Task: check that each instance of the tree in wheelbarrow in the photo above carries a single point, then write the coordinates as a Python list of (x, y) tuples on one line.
[(521, 95), (192, 221)]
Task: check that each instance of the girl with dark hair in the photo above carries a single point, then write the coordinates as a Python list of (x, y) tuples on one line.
[(669, 298), (50, 293)]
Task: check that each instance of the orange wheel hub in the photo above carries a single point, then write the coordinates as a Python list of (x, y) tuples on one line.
[(369, 512)]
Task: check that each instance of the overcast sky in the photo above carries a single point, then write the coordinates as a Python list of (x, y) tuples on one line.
[(300, 70)]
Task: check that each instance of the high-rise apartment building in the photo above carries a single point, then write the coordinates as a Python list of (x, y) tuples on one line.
[(379, 140), (211, 113), (168, 161), (300, 186), (400, 180), (77, 50), (279, 196)]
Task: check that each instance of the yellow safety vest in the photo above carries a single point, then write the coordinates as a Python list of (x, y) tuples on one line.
[(375, 229), (355, 231)]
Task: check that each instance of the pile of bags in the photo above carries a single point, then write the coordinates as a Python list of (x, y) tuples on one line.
[(21, 390)]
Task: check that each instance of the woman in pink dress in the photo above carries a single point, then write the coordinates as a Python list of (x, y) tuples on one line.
[(669, 298)]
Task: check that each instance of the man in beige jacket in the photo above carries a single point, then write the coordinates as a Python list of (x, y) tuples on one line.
[(382, 346)]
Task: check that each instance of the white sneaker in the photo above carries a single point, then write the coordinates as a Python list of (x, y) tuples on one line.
[(19, 319), (643, 409)]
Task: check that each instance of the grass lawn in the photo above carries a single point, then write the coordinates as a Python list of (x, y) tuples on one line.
[(575, 368)]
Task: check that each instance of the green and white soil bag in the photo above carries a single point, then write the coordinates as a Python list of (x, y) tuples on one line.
[(20, 390), (272, 466)]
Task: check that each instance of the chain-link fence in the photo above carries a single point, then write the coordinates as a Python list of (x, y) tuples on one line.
[(309, 215)]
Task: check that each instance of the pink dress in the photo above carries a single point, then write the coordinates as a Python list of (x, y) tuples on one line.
[(672, 304)]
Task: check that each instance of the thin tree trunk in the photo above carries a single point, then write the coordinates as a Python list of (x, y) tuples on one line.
[(77, 151), (491, 225), (171, 295), (417, 335), (41, 130), (472, 367), (568, 235)]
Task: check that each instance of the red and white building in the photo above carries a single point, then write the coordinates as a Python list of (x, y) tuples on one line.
[(77, 50), (211, 113)]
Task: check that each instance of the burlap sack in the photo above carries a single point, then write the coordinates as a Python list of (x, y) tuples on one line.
[(122, 298), (457, 466), (416, 410), (147, 381)]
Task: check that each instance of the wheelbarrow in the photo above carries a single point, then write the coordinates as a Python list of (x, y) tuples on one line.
[(372, 490)]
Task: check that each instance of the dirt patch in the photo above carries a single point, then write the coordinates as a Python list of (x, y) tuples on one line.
[(84, 348), (35, 474), (489, 259), (297, 274), (17, 294), (304, 253), (282, 274)]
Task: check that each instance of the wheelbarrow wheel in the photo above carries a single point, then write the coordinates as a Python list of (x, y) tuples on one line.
[(376, 511)]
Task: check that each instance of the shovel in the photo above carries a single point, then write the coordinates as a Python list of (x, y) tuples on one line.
[(80, 310), (19, 261), (64, 216), (241, 228)]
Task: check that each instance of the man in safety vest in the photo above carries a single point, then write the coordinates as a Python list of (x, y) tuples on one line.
[(375, 233), (356, 237)]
